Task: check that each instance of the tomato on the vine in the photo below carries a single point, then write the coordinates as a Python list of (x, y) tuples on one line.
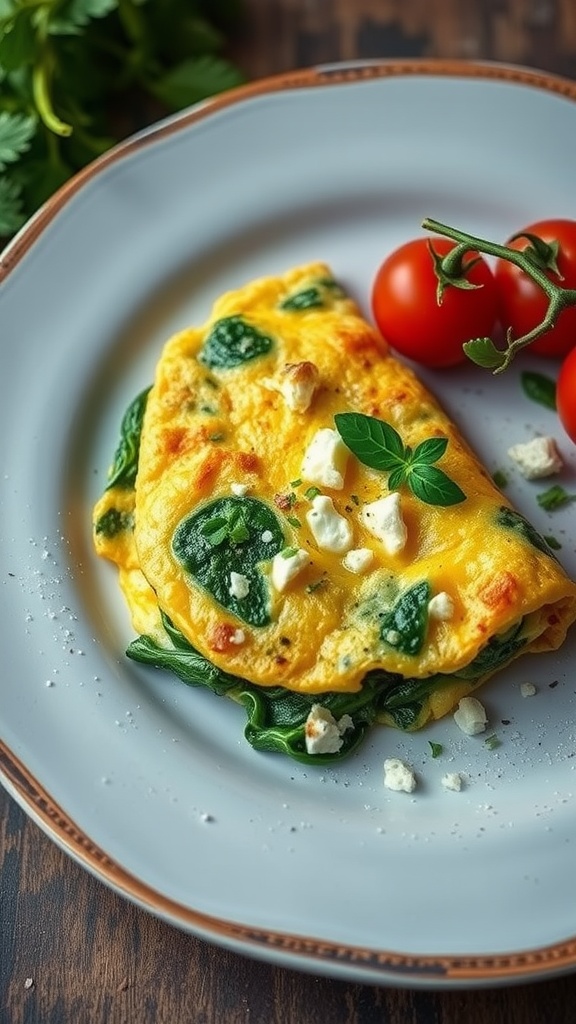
[(566, 394), (523, 304), (407, 312)]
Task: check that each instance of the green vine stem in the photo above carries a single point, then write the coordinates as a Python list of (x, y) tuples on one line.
[(483, 351)]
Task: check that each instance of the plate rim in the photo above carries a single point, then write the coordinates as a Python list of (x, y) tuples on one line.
[(356, 963)]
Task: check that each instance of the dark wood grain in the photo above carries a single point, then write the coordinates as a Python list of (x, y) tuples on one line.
[(72, 951)]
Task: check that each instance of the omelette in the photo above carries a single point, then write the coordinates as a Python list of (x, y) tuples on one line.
[(298, 525)]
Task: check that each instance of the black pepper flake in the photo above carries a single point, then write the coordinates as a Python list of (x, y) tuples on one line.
[(285, 640), (555, 683)]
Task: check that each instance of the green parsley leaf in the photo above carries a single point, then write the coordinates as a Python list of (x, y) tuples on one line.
[(11, 207), (436, 748), (539, 388), (194, 79), (16, 134)]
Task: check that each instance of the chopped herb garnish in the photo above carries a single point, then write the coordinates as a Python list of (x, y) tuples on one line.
[(315, 586), (499, 477), (436, 748), (355, 499), (378, 445), (294, 521), (554, 497), (539, 388), (295, 483), (312, 493), (491, 742), (289, 552), (216, 437), (553, 543)]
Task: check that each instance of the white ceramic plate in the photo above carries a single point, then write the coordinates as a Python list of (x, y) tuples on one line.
[(150, 785)]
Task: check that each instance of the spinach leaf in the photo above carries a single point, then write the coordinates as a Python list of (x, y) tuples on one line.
[(498, 651), (276, 716), (317, 296), (224, 537), (404, 627), (113, 522), (232, 342), (510, 519), (124, 467)]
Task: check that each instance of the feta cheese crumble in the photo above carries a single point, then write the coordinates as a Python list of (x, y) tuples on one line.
[(358, 560), (537, 458), (470, 716), (297, 385), (286, 566), (267, 537), (398, 776), (240, 490), (453, 781), (527, 689), (323, 733), (441, 606), (325, 459), (383, 519), (238, 637), (239, 585), (331, 531)]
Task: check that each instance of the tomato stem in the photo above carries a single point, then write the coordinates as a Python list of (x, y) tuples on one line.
[(482, 350)]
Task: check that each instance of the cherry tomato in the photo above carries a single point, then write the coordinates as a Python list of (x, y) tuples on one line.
[(407, 312), (523, 304), (566, 394)]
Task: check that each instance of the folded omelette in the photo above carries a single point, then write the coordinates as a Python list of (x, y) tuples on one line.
[(271, 547)]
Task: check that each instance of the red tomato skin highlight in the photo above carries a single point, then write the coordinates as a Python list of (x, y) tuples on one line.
[(523, 304), (407, 314), (566, 394)]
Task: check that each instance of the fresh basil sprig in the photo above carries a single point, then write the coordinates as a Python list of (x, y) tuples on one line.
[(378, 445)]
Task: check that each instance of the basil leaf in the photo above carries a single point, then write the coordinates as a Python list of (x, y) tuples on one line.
[(124, 467), (224, 537), (433, 486), (539, 388), (430, 450), (374, 442), (404, 628), (231, 342)]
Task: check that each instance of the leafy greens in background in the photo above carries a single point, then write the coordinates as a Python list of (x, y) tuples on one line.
[(76, 76)]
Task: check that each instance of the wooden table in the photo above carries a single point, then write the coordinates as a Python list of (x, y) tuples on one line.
[(71, 951)]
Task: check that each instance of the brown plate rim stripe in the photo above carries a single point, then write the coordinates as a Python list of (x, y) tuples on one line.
[(441, 970), (322, 75), (426, 970)]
